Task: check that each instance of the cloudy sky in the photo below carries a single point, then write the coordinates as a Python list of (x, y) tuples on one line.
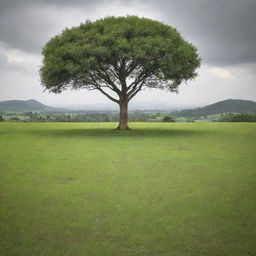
[(224, 32)]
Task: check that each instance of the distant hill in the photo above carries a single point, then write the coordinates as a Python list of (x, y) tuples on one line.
[(133, 105), (23, 106), (225, 106)]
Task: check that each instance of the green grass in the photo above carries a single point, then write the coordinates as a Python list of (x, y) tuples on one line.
[(163, 189)]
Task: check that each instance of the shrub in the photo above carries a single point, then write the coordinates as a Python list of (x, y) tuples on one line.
[(242, 117), (15, 118), (168, 119)]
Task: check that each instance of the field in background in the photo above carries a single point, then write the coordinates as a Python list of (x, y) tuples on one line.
[(163, 189)]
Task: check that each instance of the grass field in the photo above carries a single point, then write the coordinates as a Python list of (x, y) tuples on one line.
[(163, 189)]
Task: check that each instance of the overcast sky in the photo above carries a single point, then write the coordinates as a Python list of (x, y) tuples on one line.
[(224, 31)]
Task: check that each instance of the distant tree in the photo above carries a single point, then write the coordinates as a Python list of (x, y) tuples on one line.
[(105, 118), (168, 119), (29, 113), (15, 118), (190, 120), (1, 119), (118, 56), (242, 117)]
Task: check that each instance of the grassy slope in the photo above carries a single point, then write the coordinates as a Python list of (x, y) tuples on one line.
[(79, 189)]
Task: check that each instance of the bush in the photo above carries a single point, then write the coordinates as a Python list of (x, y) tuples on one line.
[(243, 117), (1, 119), (168, 119), (14, 118)]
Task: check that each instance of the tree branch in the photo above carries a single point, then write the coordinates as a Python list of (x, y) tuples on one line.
[(140, 79), (136, 91), (110, 97), (104, 75), (131, 67), (122, 77), (98, 87)]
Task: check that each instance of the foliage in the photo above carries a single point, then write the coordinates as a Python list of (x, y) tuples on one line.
[(83, 116), (15, 118), (168, 119), (242, 117), (118, 56), (102, 54), (1, 119), (112, 116)]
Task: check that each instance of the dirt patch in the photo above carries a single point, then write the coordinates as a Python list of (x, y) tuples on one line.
[(70, 178), (180, 147), (66, 180)]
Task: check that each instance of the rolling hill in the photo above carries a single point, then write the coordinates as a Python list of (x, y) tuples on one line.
[(235, 106), (225, 106), (22, 106)]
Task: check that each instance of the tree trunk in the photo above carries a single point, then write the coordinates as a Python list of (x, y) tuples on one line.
[(123, 116)]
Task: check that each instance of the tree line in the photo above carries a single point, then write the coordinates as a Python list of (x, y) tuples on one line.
[(82, 116), (135, 116)]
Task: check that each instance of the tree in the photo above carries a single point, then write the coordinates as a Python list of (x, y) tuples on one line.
[(168, 119), (240, 117), (118, 56)]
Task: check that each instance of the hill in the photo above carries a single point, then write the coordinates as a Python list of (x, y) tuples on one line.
[(225, 106), (22, 105)]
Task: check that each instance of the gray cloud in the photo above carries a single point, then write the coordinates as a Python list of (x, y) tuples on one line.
[(223, 30), (8, 66), (3, 61), (27, 25)]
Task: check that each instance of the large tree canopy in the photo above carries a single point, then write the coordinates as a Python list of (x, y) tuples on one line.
[(118, 56)]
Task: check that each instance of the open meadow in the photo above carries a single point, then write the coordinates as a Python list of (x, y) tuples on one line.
[(162, 189)]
